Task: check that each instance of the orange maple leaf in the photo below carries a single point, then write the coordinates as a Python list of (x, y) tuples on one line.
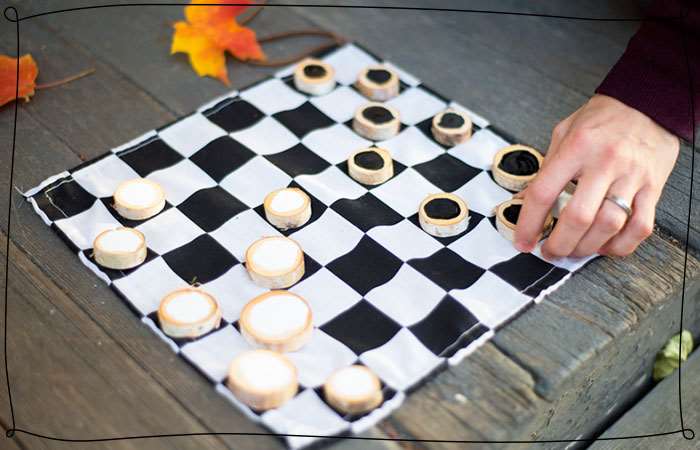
[(209, 32), (28, 72)]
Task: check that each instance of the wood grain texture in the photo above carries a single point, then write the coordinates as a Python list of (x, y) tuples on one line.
[(658, 413)]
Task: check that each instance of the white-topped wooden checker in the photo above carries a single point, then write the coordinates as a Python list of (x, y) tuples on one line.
[(353, 390), (139, 199), (314, 77), (188, 313), (443, 215), (121, 248), (451, 127), (372, 165), (275, 262), (287, 208), (507, 214), (277, 320), (376, 121), (262, 379), (515, 166), (378, 82)]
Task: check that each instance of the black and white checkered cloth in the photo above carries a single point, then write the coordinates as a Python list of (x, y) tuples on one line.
[(383, 292)]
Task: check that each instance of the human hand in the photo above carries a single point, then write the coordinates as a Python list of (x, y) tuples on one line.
[(610, 149)]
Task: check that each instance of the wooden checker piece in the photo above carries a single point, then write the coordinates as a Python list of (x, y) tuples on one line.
[(443, 215), (188, 313), (507, 214), (376, 121), (353, 390), (515, 166), (371, 166), (314, 77), (277, 320), (120, 249), (287, 208), (262, 379), (378, 83), (139, 199), (275, 262), (451, 127)]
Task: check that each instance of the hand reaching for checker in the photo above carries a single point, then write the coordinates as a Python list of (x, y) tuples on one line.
[(613, 151)]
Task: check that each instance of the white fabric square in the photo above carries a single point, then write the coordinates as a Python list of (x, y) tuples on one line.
[(189, 135), (331, 185), (408, 297), (402, 361), (484, 246), (405, 191), (482, 194), (335, 143), (411, 147), (340, 104), (491, 300), (395, 237), (239, 232), (348, 61), (570, 264), (320, 357), (304, 414), (476, 118), (266, 137), (213, 353), (416, 104), (146, 286), (83, 228), (273, 96), (403, 75), (479, 150), (102, 178), (328, 238), (327, 295), (181, 180), (251, 182), (169, 230), (233, 290)]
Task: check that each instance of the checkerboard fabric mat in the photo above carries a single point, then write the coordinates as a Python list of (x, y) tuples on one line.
[(383, 293)]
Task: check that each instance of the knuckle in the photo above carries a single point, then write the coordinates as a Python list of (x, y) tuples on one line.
[(538, 194), (579, 219), (558, 131), (642, 229), (611, 222)]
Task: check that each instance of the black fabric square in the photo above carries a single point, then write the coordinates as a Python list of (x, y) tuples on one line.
[(116, 274), (366, 212), (465, 339), (447, 172), (235, 115), (362, 327), (367, 266), (210, 208), (222, 156), (109, 204), (398, 168), (149, 157), (444, 325), (63, 199), (298, 160), (474, 219), (317, 210), (310, 267), (303, 119), (201, 260), (528, 273), (182, 341), (447, 269)]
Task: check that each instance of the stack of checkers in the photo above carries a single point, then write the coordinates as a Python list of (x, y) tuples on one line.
[(380, 289)]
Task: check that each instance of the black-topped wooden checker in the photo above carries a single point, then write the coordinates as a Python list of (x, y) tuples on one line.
[(376, 121), (378, 83), (371, 165), (314, 77), (515, 166), (451, 127), (507, 214), (443, 215)]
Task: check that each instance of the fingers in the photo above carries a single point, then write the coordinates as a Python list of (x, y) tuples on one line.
[(541, 194), (609, 220), (578, 215), (638, 227)]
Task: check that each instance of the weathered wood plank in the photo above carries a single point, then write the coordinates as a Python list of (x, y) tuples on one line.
[(68, 377), (657, 412)]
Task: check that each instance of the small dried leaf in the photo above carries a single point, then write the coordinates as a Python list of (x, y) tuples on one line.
[(28, 72)]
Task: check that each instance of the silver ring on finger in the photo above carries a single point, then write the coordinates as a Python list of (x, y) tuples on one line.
[(621, 203)]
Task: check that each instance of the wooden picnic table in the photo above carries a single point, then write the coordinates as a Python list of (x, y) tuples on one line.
[(81, 366)]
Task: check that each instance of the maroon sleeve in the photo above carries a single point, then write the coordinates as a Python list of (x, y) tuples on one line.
[(652, 74)]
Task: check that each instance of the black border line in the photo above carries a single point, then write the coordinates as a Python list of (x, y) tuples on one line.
[(687, 433)]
